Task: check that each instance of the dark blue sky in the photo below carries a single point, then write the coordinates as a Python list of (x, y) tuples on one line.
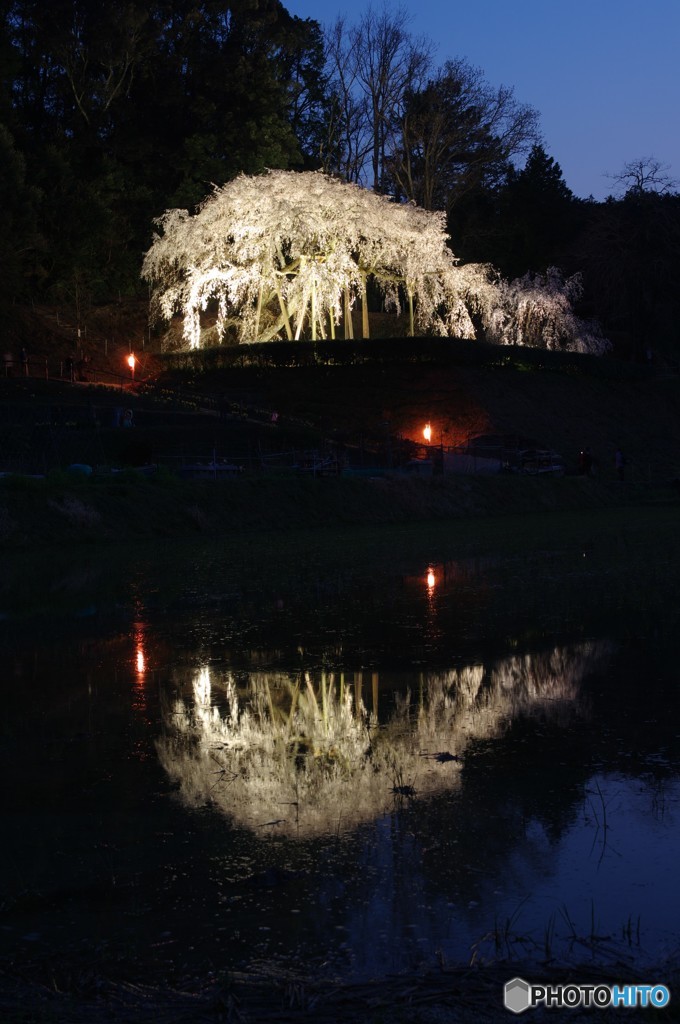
[(603, 74)]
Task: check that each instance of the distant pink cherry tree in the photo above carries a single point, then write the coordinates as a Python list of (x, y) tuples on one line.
[(537, 310)]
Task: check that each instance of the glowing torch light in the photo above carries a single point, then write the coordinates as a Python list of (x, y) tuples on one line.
[(427, 432), (131, 363)]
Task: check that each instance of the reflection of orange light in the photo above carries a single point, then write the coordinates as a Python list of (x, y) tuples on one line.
[(140, 662), (431, 579), (427, 432), (140, 649)]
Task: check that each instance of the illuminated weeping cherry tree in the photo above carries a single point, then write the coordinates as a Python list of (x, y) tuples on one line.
[(286, 252)]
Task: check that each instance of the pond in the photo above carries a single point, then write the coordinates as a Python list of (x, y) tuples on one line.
[(360, 756)]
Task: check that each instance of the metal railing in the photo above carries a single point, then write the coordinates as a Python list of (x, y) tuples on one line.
[(69, 371)]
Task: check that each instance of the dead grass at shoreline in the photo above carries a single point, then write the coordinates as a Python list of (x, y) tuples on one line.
[(449, 994)]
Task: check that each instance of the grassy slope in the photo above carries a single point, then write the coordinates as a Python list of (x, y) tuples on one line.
[(560, 409)]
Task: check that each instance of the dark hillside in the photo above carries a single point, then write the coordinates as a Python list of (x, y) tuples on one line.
[(564, 404), (257, 401)]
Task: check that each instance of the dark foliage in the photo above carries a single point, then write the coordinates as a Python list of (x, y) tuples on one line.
[(629, 251), (524, 225), (114, 112)]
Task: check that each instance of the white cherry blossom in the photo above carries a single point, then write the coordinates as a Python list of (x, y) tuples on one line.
[(289, 255)]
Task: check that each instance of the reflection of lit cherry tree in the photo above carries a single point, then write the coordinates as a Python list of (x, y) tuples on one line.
[(284, 253), (305, 753)]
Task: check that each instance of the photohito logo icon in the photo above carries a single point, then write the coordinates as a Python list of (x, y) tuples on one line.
[(517, 995)]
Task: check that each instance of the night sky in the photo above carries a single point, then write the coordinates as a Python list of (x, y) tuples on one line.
[(603, 74)]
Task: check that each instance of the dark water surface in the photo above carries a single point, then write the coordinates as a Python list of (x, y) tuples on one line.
[(360, 762)]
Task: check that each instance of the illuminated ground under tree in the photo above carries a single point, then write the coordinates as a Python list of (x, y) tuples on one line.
[(287, 255)]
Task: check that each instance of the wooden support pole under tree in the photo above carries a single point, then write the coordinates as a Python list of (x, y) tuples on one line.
[(410, 313), (303, 306), (273, 330), (258, 311), (284, 312), (348, 326), (364, 309), (301, 316)]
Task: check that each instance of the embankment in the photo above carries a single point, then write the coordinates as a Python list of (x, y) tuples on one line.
[(126, 507)]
